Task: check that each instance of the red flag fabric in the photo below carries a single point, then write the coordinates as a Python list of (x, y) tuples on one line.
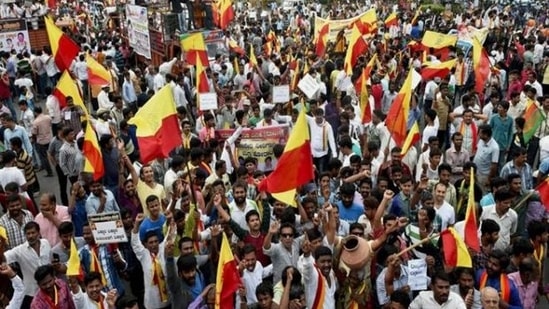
[(63, 48), (228, 278)]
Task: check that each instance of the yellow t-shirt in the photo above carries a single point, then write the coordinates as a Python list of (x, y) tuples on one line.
[(143, 191)]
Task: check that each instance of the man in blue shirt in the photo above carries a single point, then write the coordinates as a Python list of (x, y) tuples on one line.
[(502, 128), (13, 130), (348, 211)]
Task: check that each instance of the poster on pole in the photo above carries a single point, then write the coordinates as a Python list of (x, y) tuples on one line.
[(208, 101), (281, 94), (107, 228), (14, 35), (137, 24)]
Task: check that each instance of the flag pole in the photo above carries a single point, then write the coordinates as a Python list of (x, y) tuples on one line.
[(423, 241)]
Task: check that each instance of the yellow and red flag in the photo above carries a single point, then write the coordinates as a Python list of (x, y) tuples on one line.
[(202, 85), (366, 72), (226, 13), (481, 65), (412, 138), (455, 250), (391, 20), (471, 227), (97, 74), (66, 87), (233, 46), (74, 267), (535, 119), (295, 166), (227, 279), (194, 47), (367, 23), (158, 131), (322, 40), (356, 47), (397, 117), (92, 153), (442, 70), (543, 190), (253, 60), (63, 48)]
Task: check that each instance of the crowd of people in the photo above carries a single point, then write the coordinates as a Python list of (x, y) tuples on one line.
[(365, 190)]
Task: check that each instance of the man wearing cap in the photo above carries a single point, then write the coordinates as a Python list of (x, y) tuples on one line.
[(103, 98)]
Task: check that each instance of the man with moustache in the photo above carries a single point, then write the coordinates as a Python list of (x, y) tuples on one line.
[(128, 199), (439, 296), (53, 293), (93, 297), (14, 220), (465, 287), (30, 255), (494, 276)]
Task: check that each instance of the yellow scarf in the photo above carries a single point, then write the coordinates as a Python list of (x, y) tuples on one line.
[(159, 280)]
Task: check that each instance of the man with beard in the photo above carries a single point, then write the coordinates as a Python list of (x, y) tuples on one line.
[(14, 220), (319, 276), (128, 199), (93, 297), (494, 276), (182, 278), (241, 205), (489, 234), (257, 229), (439, 296), (151, 258), (466, 287), (53, 293), (61, 251), (30, 255)]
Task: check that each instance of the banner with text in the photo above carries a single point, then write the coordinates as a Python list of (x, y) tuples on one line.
[(137, 24), (258, 143), (14, 35), (107, 228), (336, 25)]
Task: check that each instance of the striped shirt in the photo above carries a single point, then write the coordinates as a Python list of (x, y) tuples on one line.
[(24, 163), (16, 235), (67, 159), (412, 235)]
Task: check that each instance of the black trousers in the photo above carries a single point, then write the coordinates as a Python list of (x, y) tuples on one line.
[(62, 179)]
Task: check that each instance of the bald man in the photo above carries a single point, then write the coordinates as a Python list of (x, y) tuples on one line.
[(489, 298)]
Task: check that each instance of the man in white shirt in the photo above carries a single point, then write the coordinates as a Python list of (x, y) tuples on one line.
[(166, 67), (80, 70), (158, 80), (439, 296), (53, 109), (322, 140), (445, 211), (177, 91), (506, 217), (103, 98), (252, 272), (30, 255), (94, 297)]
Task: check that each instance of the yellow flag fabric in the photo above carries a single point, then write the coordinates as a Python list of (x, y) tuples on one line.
[(438, 40), (73, 264), (253, 60)]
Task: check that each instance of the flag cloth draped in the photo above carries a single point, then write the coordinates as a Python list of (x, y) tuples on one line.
[(412, 138), (481, 65), (455, 251), (543, 190), (74, 267), (471, 228), (367, 22), (295, 166), (438, 40), (391, 20), (66, 87), (92, 152), (194, 47), (226, 13), (158, 131), (534, 119), (322, 39), (97, 74), (227, 279), (253, 60), (63, 48), (356, 47), (442, 70), (397, 117), (233, 46)]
